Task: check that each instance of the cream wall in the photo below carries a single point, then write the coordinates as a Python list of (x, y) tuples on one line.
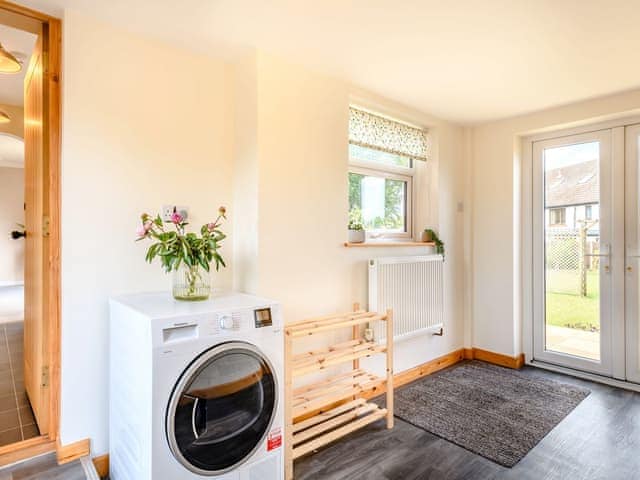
[(144, 125), (11, 204), (302, 126), (497, 219), (16, 125), (11, 213)]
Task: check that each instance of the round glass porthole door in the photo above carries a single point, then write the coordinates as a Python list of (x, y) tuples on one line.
[(221, 408)]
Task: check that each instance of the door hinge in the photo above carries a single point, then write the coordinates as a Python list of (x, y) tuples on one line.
[(46, 223), (45, 376)]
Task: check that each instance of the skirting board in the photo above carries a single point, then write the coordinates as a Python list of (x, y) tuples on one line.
[(73, 451), (495, 358), (102, 465), (34, 447), (420, 371)]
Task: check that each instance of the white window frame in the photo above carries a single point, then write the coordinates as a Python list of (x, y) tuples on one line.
[(588, 208), (391, 172), (562, 212)]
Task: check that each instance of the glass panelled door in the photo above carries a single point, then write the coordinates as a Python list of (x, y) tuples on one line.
[(632, 251), (573, 251)]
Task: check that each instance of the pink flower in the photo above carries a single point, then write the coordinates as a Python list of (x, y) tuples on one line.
[(211, 226), (176, 218), (143, 231)]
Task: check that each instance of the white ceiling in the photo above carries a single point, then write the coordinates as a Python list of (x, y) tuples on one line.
[(21, 45), (464, 60), (11, 151)]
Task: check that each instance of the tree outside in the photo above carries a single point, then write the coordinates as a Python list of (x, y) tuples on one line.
[(390, 216)]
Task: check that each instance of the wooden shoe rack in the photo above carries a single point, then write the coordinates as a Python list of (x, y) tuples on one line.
[(321, 412)]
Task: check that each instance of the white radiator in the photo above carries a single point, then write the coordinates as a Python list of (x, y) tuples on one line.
[(413, 288)]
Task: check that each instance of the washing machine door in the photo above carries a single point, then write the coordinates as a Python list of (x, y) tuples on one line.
[(221, 408)]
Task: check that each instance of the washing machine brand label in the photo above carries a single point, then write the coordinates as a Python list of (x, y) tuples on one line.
[(274, 440)]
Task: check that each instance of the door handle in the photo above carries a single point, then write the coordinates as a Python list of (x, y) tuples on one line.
[(607, 255)]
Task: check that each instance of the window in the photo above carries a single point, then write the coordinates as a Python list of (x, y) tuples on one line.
[(558, 216), (382, 156), (588, 214), (380, 201)]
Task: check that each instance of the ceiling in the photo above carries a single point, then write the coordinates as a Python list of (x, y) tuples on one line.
[(11, 151), (21, 45), (466, 60)]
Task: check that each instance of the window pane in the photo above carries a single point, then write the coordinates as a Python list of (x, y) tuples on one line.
[(378, 203), (364, 154), (572, 243)]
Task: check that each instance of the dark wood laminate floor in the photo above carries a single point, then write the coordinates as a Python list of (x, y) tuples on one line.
[(600, 439)]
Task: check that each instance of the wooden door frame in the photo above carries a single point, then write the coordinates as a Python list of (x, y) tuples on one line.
[(51, 29)]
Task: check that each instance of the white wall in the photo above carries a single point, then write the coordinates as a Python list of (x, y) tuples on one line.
[(302, 201), (144, 125), (497, 219), (11, 213)]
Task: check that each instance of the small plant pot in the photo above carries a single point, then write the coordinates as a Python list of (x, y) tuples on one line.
[(357, 236), (426, 236)]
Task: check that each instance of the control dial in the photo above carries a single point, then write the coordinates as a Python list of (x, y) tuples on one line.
[(226, 322)]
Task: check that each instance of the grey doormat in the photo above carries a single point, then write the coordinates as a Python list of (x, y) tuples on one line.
[(493, 411)]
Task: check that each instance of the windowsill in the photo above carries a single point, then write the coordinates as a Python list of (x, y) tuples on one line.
[(390, 243)]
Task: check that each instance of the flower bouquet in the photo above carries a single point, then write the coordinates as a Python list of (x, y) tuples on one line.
[(187, 255)]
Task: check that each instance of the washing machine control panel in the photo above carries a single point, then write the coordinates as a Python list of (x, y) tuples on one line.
[(226, 321), (230, 321)]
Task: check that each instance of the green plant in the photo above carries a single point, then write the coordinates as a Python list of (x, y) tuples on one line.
[(353, 225), (177, 247), (439, 243)]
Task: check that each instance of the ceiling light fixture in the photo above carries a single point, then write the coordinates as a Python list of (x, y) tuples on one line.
[(4, 118), (8, 63)]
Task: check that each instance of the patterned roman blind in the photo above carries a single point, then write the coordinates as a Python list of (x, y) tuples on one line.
[(379, 133)]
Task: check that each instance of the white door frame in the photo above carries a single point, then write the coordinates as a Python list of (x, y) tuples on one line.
[(632, 250), (617, 126)]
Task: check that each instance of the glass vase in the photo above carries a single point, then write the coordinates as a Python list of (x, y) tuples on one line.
[(191, 283)]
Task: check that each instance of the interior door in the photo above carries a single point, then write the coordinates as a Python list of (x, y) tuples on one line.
[(632, 251), (573, 247), (36, 208)]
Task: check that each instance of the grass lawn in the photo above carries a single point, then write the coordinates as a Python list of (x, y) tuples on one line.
[(565, 307)]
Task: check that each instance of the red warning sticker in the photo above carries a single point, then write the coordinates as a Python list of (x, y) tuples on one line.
[(274, 440)]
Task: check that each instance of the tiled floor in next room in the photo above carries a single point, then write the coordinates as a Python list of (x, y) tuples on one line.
[(16, 418)]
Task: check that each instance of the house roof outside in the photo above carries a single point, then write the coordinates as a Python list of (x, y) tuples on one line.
[(577, 184)]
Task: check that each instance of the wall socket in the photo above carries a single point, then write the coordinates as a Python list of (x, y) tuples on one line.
[(167, 211)]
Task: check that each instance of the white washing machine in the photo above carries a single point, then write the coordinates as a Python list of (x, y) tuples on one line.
[(196, 388)]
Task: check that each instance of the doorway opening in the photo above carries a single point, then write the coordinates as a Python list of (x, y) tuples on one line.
[(29, 232), (17, 420), (585, 251)]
